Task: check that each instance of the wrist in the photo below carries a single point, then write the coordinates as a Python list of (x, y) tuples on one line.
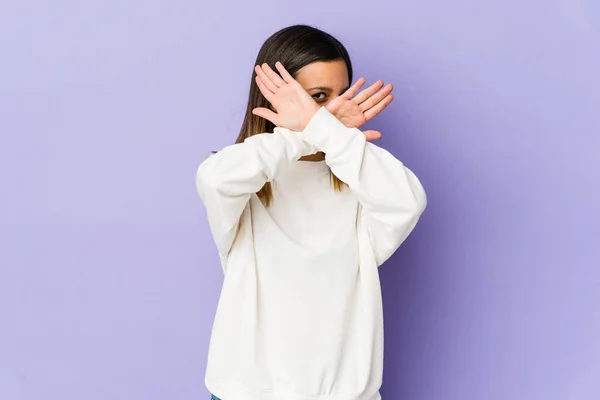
[(327, 133), (310, 116)]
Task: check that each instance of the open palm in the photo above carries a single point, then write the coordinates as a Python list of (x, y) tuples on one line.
[(354, 111), (294, 107)]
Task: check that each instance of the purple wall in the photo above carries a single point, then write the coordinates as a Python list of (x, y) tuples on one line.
[(109, 278)]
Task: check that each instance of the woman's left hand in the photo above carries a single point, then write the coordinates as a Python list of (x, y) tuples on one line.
[(354, 111)]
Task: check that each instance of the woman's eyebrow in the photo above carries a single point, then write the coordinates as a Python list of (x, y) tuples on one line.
[(323, 88), (327, 89)]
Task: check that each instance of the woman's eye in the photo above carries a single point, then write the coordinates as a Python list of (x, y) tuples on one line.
[(316, 96)]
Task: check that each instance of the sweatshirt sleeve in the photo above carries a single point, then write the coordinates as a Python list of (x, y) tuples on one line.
[(226, 179), (391, 196)]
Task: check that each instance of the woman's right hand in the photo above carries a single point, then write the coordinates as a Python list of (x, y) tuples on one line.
[(293, 105)]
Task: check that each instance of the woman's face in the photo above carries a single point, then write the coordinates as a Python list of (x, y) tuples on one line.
[(324, 81)]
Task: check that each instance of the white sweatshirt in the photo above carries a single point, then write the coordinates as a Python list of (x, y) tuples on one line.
[(300, 314)]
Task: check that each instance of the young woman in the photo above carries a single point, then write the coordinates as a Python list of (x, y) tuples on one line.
[(303, 209)]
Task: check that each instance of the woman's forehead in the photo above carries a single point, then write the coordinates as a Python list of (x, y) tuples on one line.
[(333, 74)]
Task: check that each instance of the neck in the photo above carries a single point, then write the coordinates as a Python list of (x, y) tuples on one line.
[(320, 156)]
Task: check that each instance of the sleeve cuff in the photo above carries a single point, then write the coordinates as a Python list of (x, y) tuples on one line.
[(295, 146), (325, 132)]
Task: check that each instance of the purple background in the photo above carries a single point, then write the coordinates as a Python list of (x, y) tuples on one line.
[(109, 278)]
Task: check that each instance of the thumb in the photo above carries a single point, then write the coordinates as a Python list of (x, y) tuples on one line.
[(266, 114), (372, 135)]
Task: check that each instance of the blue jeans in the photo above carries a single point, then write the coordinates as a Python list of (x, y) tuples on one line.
[(213, 397)]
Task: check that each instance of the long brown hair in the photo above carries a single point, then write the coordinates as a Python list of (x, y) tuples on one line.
[(295, 47)]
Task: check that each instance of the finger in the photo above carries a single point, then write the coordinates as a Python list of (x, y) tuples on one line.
[(264, 90), (265, 79), (284, 74), (368, 92), (372, 135), (266, 114), (376, 98), (273, 76), (372, 112), (349, 94)]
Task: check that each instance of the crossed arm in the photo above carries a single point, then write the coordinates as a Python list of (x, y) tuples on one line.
[(391, 196)]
